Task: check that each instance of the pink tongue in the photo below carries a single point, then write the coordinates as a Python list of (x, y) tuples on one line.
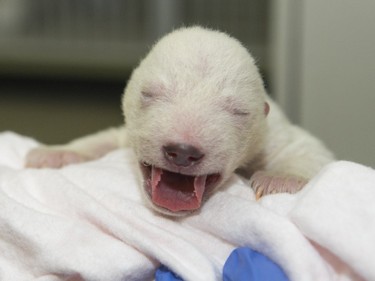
[(177, 192)]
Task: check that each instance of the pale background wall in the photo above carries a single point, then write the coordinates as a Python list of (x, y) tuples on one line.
[(324, 72)]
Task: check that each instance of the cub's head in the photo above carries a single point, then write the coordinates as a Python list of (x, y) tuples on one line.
[(195, 111)]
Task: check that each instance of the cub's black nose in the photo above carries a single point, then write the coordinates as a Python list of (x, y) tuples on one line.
[(181, 154)]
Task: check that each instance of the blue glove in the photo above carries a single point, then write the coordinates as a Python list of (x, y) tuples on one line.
[(244, 264), (164, 274)]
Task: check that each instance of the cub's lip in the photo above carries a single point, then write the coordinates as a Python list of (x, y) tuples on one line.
[(177, 192)]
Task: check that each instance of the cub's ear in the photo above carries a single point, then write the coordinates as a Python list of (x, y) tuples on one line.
[(266, 108)]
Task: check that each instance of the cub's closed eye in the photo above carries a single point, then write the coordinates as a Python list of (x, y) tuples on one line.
[(147, 95), (235, 107), (147, 98), (239, 112)]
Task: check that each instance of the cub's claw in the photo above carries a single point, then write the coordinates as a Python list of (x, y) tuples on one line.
[(264, 183)]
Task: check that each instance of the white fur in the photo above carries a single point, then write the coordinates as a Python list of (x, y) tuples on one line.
[(201, 87)]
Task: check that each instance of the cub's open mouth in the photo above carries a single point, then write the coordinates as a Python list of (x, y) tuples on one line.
[(174, 191)]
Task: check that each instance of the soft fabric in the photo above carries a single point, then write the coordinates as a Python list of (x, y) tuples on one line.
[(89, 222)]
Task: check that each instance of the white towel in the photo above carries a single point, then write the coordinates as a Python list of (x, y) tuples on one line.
[(89, 222), (337, 212)]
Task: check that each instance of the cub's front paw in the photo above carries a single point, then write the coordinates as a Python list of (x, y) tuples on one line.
[(47, 157), (264, 183)]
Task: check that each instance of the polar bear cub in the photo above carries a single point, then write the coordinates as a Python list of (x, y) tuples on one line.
[(196, 111)]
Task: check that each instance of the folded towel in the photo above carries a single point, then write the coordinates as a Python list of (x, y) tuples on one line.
[(337, 212), (89, 222)]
